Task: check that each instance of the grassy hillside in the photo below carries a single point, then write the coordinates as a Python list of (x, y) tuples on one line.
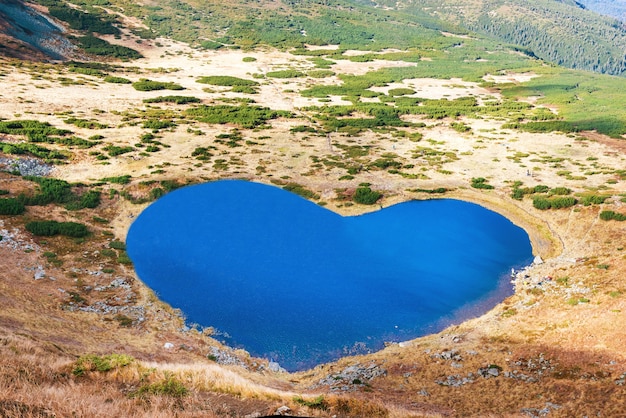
[(557, 31)]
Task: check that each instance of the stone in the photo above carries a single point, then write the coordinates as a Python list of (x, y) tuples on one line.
[(275, 367), (283, 410)]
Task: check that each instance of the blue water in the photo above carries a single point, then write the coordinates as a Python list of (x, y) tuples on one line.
[(290, 281)]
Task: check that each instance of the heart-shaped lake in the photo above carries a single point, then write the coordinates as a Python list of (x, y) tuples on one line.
[(291, 281)]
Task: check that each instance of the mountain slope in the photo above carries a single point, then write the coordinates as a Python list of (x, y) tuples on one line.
[(557, 31), (29, 35), (562, 32)]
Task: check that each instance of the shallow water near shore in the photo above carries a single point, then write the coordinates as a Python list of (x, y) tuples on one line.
[(293, 282)]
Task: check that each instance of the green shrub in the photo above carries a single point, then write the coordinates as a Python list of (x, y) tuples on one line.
[(158, 124), (80, 20), (320, 73), (169, 386), (316, 403), (11, 206), (609, 215), (123, 258), (226, 81), (211, 45), (97, 46), (480, 183), (115, 150), (561, 191), (91, 199), (366, 196), (173, 99), (149, 85), (51, 228), (244, 90), (562, 202), (95, 363), (50, 191), (106, 252), (285, 74), (402, 91), (460, 127), (118, 245), (84, 123), (593, 199), (125, 179), (438, 190), (244, 115), (541, 203), (301, 191), (116, 80)]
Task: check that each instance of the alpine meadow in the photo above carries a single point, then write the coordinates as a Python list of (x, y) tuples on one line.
[(111, 108)]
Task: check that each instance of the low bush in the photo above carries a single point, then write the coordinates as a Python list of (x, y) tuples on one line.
[(115, 150), (97, 46), (227, 81), (593, 199), (544, 203), (285, 74), (117, 80), (52, 228), (95, 363), (149, 85), (173, 99), (118, 245), (125, 179), (11, 206), (169, 386), (301, 191), (609, 215), (366, 196), (480, 183), (244, 115), (316, 403)]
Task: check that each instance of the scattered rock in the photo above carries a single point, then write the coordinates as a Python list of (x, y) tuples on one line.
[(168, 346), (456, 380), (283, 410), (351, 378), (490, 371), (536, 412), (275, 367), (26, 166), (448, 355), (39, 273), (225, 357)]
